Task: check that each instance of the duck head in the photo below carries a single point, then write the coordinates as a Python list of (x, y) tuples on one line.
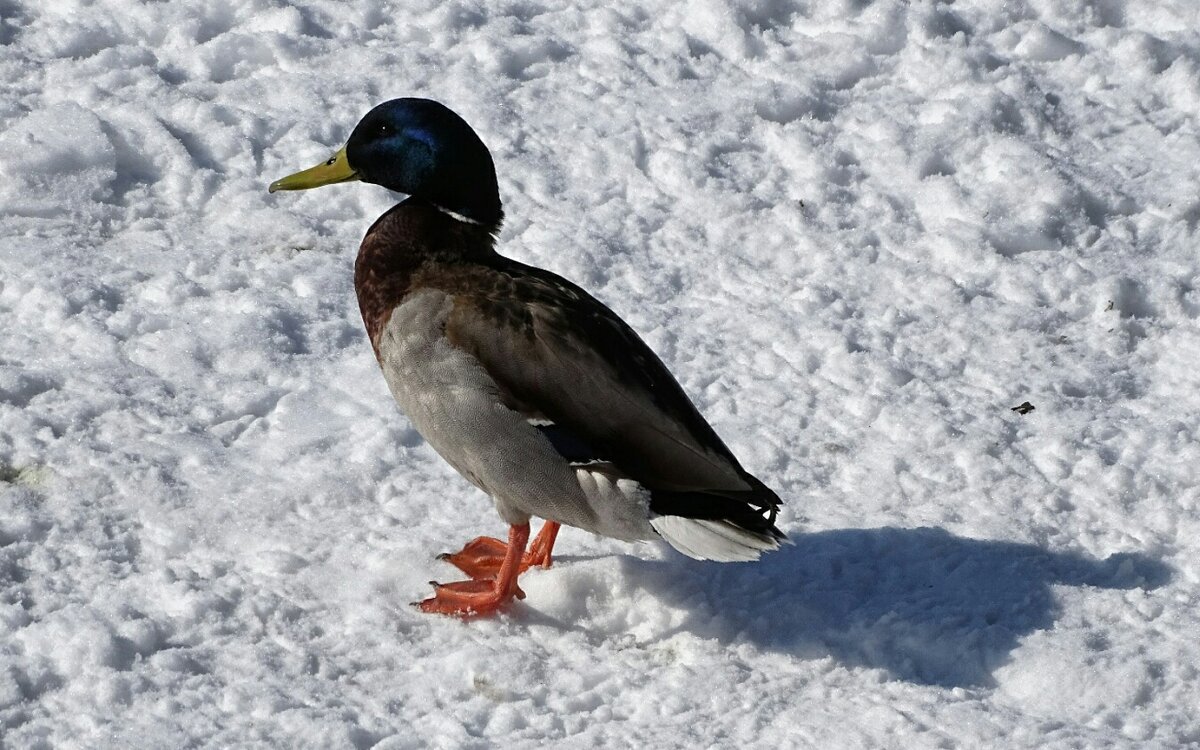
[(418, 147)]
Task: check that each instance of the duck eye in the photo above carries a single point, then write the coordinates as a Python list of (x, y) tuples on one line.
[(385, 129)]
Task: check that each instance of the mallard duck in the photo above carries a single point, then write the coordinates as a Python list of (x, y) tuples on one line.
[(531, 388)]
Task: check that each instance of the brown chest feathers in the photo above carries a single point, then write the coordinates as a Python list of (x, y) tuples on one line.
[(406, 249)]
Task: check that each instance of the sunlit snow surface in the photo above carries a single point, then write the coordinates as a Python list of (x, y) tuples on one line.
[(858, 232)]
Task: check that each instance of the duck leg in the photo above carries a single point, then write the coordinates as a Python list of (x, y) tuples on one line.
[(483, 597), (539, 552), (481, 558)]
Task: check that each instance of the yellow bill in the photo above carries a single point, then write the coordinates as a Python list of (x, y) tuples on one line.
[(335, 169)]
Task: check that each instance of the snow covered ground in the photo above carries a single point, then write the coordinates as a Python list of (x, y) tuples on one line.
[(858, 232)]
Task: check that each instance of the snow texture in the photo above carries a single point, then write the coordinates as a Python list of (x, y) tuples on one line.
[(859, 233)]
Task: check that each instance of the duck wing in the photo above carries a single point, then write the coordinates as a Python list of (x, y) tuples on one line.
[(597, 391)]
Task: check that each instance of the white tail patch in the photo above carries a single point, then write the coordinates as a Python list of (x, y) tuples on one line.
[(712, 540), (619, 506)]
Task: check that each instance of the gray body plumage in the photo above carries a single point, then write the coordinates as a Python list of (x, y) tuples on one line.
[(454, 403)]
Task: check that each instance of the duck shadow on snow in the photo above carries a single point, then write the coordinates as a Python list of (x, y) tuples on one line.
[(925, 605)]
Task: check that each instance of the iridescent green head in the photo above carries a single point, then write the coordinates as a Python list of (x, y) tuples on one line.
[(418, 147)]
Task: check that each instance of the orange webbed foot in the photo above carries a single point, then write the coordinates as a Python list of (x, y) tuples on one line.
[(481, 558), (468, 598), (482, 597)]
